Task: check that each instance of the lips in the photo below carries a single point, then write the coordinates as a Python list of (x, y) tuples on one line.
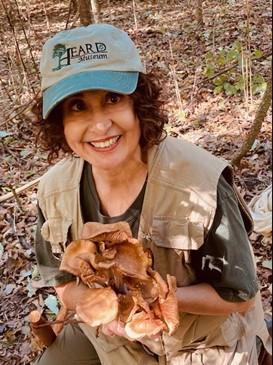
[(105, 144)]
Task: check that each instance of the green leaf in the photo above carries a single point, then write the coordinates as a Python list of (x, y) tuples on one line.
[(209, 71), (239, 83), (258, 84), (232, 54), (26, 152), (218, 89), (4, 134), (221, 59), (258, 89), (230, 90), (258, 79), (220, 80), (238, 46), (52, 304), (257, 53), (30, 290), (209, 56), (267, 264)]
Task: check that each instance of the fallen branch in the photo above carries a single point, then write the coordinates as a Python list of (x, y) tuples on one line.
[(18, 190), (257, 124)]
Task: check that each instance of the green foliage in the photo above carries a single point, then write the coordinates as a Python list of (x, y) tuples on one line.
[(51, 303), (231, 82), (4, 134)]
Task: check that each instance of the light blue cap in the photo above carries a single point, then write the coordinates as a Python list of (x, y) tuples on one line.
[(96, 57), (116, 81)]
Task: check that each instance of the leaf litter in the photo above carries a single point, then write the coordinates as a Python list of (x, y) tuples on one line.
[(171, 44)]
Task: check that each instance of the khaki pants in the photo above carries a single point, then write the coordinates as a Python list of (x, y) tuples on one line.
[(72, 347)]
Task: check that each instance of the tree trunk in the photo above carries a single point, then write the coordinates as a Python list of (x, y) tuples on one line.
[(85, 12), (199, 13), (257, 124), (96, 10)]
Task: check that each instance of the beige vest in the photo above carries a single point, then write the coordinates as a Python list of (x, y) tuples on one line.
[(178, 211)]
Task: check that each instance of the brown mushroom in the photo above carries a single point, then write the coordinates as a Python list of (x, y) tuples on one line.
[(77, 259), (169, 306), (121, 284), (143, 324), (97, 306), (112, 233)]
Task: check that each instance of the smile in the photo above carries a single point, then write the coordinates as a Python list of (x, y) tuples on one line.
[(105, 144)]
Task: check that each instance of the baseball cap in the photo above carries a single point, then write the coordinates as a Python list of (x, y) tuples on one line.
[(96, 57)]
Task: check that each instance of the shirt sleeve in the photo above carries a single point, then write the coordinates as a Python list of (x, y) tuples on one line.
[(48, 264), (226, 260)]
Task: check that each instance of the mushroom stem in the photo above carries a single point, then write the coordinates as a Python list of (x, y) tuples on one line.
[(41, 331)]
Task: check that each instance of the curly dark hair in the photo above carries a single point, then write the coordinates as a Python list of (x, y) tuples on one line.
[(148, 107)]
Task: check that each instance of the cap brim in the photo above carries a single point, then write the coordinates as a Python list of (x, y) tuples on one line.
[(116, 81)]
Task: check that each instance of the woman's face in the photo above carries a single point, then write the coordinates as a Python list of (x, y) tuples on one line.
[(102, 128)]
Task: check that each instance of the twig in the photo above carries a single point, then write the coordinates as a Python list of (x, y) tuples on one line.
[(16, 197), (46, 16), (17, 47), (6, 90), (257, 124), (22, 106), (19, 190), (69, 14), (177, 90), (135, 17), (27, 40), (66, 321), (95, 10)]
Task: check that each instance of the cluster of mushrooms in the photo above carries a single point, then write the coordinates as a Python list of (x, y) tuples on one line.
[(121, 282), (116, 282)]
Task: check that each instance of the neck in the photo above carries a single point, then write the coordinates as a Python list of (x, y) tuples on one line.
[(117, 189), (114, 178), (129, 171)]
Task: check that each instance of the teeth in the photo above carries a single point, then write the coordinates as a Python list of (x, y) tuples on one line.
[(105, 144)]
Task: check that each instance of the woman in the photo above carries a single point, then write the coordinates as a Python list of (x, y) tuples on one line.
[(101, 108)]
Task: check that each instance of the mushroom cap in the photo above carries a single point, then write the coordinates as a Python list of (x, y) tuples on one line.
[(98, 306), (75, 254), (169, 306), (112, 233), (142, 325)]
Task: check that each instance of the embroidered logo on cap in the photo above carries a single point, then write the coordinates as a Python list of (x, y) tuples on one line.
[(81, 53)]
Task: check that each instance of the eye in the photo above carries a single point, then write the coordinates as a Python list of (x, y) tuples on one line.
[(113, 98), (76, 105)]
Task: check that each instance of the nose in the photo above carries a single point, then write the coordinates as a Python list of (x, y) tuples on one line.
[(103, 125), (100, 123)]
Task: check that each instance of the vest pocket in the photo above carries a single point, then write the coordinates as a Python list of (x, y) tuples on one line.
[(177, 234), (55, 231)]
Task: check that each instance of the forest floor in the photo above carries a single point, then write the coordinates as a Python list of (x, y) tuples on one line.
[(187, 59)]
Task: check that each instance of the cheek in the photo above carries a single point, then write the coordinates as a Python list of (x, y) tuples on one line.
[(71, 134), (131, 122), (71, 128), (136, 127)]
